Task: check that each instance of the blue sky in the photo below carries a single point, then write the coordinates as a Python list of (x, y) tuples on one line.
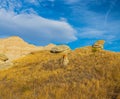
[(77, 23)]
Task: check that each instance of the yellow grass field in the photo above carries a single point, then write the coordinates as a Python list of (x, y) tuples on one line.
[(90, 74)]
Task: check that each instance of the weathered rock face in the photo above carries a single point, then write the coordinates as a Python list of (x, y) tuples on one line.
[(60, 48), (99, 44), (3, 58), (15, 47)]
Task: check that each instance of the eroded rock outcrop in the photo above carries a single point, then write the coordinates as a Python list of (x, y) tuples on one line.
[(15, 47), (64, 49), (65, 60), (60, 48), (99, 44)]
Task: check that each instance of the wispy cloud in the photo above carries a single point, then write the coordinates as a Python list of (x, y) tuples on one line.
[(92, 33), (96, 29), (94, 21), (109, 11)]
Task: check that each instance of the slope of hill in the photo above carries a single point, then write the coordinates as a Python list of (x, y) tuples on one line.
[(15, 47), (40, 75)]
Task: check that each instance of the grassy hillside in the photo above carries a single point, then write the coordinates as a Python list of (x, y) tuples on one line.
[(90, 74)]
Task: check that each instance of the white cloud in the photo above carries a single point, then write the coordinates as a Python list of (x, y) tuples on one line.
[(93, 33), (35, 28)]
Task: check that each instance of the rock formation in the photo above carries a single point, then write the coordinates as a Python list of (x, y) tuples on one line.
[(49, 47), (15, 47), (65, 60), (99, 44), (3, 58), (64, 49), (60, 48)]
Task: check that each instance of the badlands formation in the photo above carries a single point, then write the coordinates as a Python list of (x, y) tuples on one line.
[(15, 47)]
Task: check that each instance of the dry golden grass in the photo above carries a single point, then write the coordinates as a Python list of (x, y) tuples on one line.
[(40, 75)]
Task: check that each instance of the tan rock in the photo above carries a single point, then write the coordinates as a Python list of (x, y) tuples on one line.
[(99, 44), (49, 47), (15, 47), (60, 48), (65, 60)]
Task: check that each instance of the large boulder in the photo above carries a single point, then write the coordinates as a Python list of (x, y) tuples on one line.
[(99, 44), (60, 48)]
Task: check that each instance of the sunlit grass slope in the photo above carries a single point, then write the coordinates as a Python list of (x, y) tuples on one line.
[(40, 75)]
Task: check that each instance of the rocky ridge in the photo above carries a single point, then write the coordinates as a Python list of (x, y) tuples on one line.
[(15, 47)]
